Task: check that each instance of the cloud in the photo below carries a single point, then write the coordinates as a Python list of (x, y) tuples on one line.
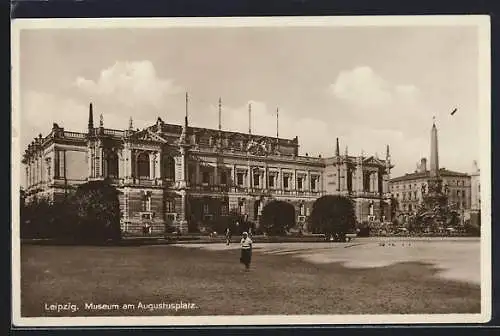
[(40, 110), (132, 84), (370, 101), (377, 112), (364, 88), (405, 150)]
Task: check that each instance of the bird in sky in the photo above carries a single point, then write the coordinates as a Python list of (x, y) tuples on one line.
[(454, 111)]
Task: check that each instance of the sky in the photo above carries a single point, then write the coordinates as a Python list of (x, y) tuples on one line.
[(368, 86)]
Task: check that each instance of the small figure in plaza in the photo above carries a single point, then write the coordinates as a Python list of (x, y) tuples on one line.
[(228, 236), (246, 251), (146, 230)]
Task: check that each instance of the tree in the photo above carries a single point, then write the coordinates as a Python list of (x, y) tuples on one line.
[(333, 215), (394, 207), (64, 221), (35, 217), (277, 217), (97, 209)]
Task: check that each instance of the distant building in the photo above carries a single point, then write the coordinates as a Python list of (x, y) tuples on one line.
[(475, 188), (184, 176), (408, 190)]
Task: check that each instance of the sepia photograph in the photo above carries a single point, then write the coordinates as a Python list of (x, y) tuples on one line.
[(251, 171)]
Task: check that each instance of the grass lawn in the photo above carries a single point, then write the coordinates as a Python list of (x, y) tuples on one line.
[(216, 284)]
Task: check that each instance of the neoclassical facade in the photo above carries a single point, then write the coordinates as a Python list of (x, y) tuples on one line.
[(410, 189), (185, 176)]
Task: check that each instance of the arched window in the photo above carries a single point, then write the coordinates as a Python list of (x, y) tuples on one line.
[(168, 167), (143, 165), (112, 165)]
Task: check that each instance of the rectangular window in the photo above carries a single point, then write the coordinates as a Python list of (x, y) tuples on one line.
[(239, 179), (169, 206), (458, 193), (463, 193), (271, 181), (205, 209), (56, 165), (256, 179), (146, 203), (62, 169), (224, 210), (223, 178), (313, 183), (48, 168), (285, 182), (299, 183), (206, 177)]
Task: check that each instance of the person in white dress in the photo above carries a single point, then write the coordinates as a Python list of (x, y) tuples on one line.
[(246, 250)]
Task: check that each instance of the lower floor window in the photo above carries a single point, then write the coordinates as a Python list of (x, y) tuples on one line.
[(223, 210), (169, 206)]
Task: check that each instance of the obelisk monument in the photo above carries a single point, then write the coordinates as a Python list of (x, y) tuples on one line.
[(435, 200), (434, 152)]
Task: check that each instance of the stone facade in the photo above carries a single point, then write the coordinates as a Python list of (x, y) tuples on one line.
[(408, 190), (184, 176)]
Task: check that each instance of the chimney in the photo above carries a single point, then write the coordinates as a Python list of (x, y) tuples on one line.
[(423, 165)]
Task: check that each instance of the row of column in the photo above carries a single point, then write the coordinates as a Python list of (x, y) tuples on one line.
[(357, 182), (264, 175), (128, 165)]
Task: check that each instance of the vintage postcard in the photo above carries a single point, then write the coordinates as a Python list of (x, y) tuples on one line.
[(251, 171)]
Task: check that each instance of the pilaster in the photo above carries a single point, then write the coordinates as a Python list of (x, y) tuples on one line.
[(151, 156)]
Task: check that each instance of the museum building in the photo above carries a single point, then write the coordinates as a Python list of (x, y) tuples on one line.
[(185, 177)]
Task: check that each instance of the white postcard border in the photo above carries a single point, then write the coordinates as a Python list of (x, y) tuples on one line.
[(480, 21)]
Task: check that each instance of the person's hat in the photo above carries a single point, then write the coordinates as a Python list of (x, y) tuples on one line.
[(245, 233)]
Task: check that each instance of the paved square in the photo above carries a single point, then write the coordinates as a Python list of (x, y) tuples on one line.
[(457, 258), (362, 277)]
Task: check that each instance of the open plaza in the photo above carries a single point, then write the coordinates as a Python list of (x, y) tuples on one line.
[(364, 276)]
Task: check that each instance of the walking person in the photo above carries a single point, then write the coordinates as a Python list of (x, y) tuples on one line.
[(246, 251), (228, 236)]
